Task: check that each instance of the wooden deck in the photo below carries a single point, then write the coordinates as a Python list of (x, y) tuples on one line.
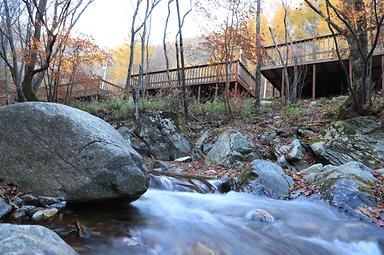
[(87, 90), (317, 58), (201, 75), (311, 51)]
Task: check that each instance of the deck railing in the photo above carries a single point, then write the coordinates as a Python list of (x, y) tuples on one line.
[(313, 50), (197, 75)]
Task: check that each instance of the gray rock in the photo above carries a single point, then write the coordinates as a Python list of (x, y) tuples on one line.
[(206, 148), (266, 178), (28, 200), (267, 137), (25, 211), (203, 138), (55, 150), (31, 240), (60, 205), (231, 149), (158, 164), (348, 195), (47, 201), (260, 216), (380, 171), (5, 208), (125, 132), (159, 137), (351, 170), (359, 139), (297, 151)]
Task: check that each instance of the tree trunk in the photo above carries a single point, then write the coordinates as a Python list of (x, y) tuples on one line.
[(29, 70), (258, 55)]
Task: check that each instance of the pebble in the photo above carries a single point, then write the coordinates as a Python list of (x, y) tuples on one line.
[(45, 214), (47, 201), (260, 215)]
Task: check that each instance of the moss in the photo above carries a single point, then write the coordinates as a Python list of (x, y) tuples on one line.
[(348, 128), (247, 176)]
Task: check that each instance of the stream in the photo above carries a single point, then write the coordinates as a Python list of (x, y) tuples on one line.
[(169, 222)]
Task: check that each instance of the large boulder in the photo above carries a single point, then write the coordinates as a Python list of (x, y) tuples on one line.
[(55, 150), (157, 136), (347, 187), (266, 178), (352, 170), (231, 149), (359, 139), (31, 240)]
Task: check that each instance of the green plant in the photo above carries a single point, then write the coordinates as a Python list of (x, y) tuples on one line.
[(291, 112)]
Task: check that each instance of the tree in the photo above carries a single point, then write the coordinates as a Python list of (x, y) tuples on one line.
[(359, 22), (258, 54), (31, 32), (180, 50)]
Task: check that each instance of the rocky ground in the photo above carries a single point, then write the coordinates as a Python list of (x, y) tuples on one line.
[(307, 150), (279, 152)]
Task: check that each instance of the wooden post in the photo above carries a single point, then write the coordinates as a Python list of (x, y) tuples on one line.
[(314, 82), (235, 88), (282, 83), (265, 89), (198, 94), (216, 90), (382, 76)]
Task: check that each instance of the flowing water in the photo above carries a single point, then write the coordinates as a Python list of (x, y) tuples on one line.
[(165, 222)]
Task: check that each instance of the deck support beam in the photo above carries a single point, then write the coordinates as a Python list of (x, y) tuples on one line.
[(282, 83), (313, 81), (235, 88), (216, 90), (198, 94)]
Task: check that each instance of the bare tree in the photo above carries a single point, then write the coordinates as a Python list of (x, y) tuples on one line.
[(180, 46), (258, 55), (165, 42), (350, 20), (37, 26)]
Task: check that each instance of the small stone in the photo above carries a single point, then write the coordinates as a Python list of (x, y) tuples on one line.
[(45, 214), (59, 206), (5, 208), (380, 171), (184, 159), (267, 137), (158, 164), (47, 201), (260, 215), (29, 200), (24, 212), (177, 170)]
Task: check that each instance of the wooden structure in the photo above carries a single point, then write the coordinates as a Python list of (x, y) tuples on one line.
[(320, 67), (87, 90), (203, 79)]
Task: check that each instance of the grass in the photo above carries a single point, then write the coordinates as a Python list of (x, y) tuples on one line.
[(121, 109), (292, 112)]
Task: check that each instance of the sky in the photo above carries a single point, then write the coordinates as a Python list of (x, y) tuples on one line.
[(108, 22)]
